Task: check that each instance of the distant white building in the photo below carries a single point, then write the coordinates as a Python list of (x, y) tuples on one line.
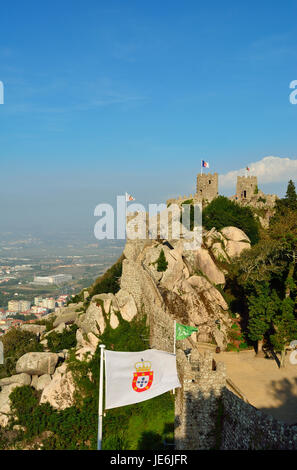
[(56, 279)]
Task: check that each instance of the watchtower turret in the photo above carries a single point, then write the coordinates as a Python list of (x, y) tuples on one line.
[(207, 186), (246, 186)]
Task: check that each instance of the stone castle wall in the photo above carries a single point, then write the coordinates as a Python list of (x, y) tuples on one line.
[(197, 401), (247, 192), (245, 427), (209, 416)]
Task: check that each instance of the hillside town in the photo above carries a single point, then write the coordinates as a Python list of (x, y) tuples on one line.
[(21, 312)]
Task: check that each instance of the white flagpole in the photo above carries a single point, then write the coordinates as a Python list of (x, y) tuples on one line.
[(100, 405), (174, 336), (174, 345)]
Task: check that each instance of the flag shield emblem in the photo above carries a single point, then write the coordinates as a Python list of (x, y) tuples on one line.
[(142, 381)]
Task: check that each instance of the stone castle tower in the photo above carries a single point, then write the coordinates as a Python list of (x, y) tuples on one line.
[(207, 186), (246, 187)]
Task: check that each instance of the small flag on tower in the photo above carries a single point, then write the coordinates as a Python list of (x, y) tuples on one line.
[(204, 164), (247, 168), (129, 198)]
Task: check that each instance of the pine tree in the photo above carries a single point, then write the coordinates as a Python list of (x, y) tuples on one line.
[(161, 262), (285, 325), (291, 196), (263, 306)]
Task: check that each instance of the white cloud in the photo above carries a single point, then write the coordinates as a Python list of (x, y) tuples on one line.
[(268, 170)]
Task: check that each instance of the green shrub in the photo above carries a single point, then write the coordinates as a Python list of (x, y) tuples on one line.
[(56, 342), (161, 262), (222, 212), (48, 323), (17, 343), (231, 347), (108, 282)]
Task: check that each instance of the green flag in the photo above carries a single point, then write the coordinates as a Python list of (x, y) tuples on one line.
[(183, 331)]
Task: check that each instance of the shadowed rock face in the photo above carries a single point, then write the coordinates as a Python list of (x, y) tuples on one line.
[(175, 305)]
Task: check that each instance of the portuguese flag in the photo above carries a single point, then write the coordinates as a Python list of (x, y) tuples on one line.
[(183, 331)]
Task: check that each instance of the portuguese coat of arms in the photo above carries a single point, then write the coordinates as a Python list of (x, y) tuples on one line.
[(143, 377)]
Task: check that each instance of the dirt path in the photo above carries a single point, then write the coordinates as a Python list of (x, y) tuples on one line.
[(267, 387)]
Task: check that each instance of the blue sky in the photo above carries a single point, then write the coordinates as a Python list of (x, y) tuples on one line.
[(103, 97)]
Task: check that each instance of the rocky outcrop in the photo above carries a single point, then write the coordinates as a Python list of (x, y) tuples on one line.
[(208, 267), (43, 381), (5, 410), (37, 363), (60, 390), (21, 379), (127, 306), (68, 314), (237, 241), (93, 320), (32, 328)]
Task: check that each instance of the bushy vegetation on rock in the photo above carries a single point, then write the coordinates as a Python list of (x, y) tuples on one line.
[(222, 212), (109, 281), (56, 342), (17, 343), (161, 262)]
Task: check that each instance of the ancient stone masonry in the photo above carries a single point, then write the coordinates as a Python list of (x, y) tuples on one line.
[(246, 187), (247, 193), (209, 416), (197, 401), (207, 186), (245, 427)]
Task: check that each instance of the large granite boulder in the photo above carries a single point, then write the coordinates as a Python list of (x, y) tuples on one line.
[(208, 267), (139, 283), (32, 328), (127, 306), (93, 320), (234, 249), (37, 363), (68, 314), (21, 379), (235, 234)]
